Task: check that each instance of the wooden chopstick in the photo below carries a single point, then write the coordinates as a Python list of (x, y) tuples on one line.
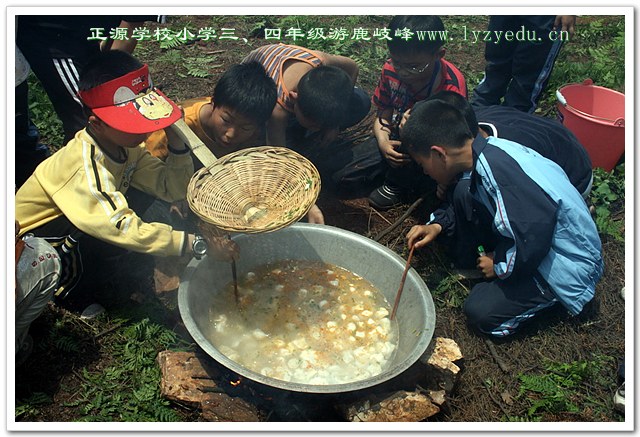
[(404, 277), (234, 273)]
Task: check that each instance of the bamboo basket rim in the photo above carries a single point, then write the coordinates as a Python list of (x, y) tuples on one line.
[(254, 190)]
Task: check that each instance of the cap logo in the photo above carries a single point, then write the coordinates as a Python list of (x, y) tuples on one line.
[(153, 106)]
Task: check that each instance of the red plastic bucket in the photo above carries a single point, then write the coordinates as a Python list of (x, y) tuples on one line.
[(595, 115)]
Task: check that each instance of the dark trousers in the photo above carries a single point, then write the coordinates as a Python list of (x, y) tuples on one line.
[(29, 153), (517, 71), (498, 307), (59, 76), (409, 178)]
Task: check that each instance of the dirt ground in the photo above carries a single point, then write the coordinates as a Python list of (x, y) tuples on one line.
[(485, 391)]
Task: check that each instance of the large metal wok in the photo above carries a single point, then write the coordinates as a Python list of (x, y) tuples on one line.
[(374, 262)]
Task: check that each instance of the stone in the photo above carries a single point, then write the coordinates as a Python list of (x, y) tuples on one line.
[(187, 379), (437, 397), (184, 379), (219, 407), (167, 271), (442, 363), (401, 406)]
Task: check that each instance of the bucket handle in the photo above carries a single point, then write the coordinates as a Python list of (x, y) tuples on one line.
[(563, 101)]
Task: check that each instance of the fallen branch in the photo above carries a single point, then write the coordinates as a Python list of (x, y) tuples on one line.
[(503, 366), (380, 215), (403, 217), (108, 330), (495, 401)]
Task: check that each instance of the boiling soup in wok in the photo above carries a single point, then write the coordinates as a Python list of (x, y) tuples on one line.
[(305, 321)]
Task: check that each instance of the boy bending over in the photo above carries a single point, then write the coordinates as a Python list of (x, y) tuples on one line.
[(542, 247), (233, 118), (317, 98)]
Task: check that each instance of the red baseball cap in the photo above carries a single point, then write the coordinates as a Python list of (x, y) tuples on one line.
[(131, 104)]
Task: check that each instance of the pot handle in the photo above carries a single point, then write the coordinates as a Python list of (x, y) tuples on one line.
[(561, 98)]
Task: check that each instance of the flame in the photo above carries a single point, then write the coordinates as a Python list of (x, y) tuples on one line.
[(236, 383)]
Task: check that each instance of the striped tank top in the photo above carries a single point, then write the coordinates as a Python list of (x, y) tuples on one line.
[(273, 56)]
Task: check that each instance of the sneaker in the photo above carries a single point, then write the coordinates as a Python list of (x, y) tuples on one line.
[(25, 350), (618, 399), (386, 197), (92, 311)]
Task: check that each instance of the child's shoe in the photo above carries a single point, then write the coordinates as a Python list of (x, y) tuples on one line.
[(92, 311), (618, 399), (386, 197)]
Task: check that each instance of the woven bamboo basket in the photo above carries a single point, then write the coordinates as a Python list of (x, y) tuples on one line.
[(259, 189)]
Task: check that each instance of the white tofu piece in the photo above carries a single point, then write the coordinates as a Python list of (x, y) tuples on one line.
[(259, 334), (293, 363)]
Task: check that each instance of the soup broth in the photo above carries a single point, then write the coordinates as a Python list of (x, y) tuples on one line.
[(305, 321)]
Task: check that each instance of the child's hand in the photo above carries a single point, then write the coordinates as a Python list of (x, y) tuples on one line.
[(485, 265), (390, 153), (222, 249), (404, 119), (328, 136), (180, 208), (315, 215), (421, 235)]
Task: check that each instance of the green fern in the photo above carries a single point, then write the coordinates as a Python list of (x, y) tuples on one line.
[(198, 66), (128, 391), (171, 43), (66, 344), (29, 406), (558, 390)]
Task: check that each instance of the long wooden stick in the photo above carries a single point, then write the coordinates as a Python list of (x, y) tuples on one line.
[(403, 217), (404, 277), (234, 273), (199, 149)]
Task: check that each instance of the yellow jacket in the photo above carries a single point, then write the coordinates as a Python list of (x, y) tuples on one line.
[(87, 186)]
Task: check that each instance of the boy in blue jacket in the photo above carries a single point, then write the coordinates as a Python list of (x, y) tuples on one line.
[(542, 247)]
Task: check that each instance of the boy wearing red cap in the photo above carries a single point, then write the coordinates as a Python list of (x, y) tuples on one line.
[(78, 196)]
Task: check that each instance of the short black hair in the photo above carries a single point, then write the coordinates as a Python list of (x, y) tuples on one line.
[(324, 94), (428, 34), (106, 66), (248, 89), (434, 122), (461, 103)]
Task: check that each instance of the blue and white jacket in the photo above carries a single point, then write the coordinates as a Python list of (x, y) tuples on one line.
[(541, 221)]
